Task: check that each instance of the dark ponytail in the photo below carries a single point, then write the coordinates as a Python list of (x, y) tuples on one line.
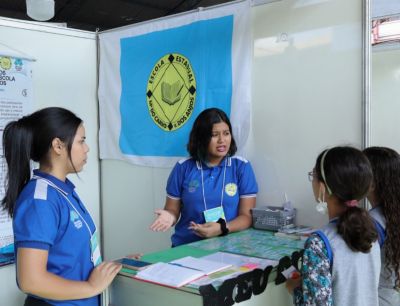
[(357, 229), (30, 138), (347, 175), (17, 142)]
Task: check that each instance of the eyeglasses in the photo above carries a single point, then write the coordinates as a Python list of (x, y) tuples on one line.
[(311, 175)]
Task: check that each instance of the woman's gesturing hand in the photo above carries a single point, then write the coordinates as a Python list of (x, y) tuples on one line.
[(164, 221)]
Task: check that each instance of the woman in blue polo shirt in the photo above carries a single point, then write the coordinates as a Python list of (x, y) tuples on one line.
[(58, 260), (212, 192)]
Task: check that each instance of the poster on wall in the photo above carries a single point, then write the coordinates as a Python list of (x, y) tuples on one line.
[(156, 77), (15, 102)]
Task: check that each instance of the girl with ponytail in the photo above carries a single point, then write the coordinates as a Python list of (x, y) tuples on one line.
[(384, 197), (341, 262), (58, 261)]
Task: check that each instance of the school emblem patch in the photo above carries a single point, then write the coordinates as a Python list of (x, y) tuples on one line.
[(74, 217), (231, 189), (171, 92), (193, 186)]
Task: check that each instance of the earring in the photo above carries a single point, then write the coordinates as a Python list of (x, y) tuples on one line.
[(322, 206)]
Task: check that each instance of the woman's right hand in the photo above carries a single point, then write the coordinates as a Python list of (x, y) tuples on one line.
[(163, 222), (102, 276)]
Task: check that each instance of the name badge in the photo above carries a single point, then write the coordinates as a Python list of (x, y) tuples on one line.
[(213, 214), (95, 250)]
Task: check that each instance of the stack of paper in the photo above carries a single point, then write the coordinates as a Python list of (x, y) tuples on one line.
[(242, 261), (180, 272), (239, 265), (204, 265), (169, 274)]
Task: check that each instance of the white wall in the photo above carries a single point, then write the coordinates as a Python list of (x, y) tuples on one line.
[(306, 94), (385, 95), (63, 75), (306, 97), (130, 194)]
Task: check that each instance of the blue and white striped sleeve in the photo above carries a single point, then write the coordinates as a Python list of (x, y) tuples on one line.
[(174, 183), (247, 181)]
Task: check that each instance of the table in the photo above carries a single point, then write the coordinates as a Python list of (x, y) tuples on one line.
[(253, 288)]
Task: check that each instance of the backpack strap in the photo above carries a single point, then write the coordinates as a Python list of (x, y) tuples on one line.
[(381, 232), (327, 246)]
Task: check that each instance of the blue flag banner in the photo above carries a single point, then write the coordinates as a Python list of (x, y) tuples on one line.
[(155, 78)]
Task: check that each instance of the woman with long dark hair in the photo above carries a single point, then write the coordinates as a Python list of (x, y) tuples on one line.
[(384, 197), (58, 259), (211, 193), (341, 262)]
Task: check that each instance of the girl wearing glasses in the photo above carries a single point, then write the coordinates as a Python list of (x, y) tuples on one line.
[(384, 197), (212, 192), (341, 262)]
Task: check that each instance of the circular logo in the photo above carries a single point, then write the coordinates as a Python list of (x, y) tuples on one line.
[(230, 189), (193, 186), (5, 63), (171, 92)]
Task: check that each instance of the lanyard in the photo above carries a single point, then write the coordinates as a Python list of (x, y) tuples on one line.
[(202, 185), (69, 202)]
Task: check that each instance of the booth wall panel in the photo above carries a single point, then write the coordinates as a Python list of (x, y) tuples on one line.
[(385, 95), (64, 75), (307, 86)]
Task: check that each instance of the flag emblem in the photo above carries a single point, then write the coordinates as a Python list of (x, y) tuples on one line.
[(171, 92)]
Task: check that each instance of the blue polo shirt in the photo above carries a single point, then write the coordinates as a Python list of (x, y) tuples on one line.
[(185, 184), (44, 219)]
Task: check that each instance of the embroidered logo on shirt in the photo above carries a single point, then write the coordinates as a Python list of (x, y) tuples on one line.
[(74, 217), (231, 189), (193, 186)]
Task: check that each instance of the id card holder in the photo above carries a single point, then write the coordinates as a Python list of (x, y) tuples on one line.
[(213, 214), (95, 249)]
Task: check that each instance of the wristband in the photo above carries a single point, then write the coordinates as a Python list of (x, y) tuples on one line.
[(224, 229)]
